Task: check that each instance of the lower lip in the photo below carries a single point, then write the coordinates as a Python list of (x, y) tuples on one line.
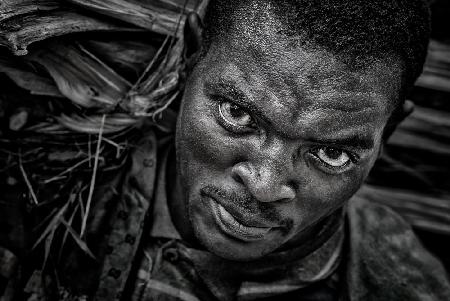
[(228, 224)]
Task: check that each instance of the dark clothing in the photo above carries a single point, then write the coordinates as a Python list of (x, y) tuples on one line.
[(367, 253)]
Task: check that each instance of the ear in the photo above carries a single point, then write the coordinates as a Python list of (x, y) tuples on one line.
[(397, 117), (408, 108), (193, 29)]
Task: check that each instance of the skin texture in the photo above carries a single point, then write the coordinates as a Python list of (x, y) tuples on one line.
[(261, 125)]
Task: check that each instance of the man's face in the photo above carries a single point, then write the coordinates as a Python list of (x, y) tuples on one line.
[(271, 139)]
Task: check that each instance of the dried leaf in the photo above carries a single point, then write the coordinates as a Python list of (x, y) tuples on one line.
[(129, 58), (157, 86), (27, 182), (63, 155), (55, 221), (18, 120), (82, 77), (47, 246), (91, 124), (93, 178), (83, 246), (26, 78), (66, 233)]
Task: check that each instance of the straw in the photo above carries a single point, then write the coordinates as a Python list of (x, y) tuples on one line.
[(94, 173), (27, 182)]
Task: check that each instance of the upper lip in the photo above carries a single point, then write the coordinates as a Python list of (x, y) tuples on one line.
[(241, 214)]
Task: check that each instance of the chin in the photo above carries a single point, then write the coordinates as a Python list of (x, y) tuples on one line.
[(234, 251), (213, 238)]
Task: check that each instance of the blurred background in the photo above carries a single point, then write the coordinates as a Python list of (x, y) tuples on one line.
[(413, 175)]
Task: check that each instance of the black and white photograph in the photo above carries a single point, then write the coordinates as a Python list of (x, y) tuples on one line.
[(225, 150)]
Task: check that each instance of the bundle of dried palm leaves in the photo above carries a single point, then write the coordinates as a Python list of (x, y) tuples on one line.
[(81, 77)]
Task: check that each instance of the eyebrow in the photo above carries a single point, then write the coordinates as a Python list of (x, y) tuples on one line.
[(229, 88), (355, 141)]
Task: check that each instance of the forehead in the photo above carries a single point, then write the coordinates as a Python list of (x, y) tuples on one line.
[(301, 84), (256, 45), (303, 79), (256, 38)]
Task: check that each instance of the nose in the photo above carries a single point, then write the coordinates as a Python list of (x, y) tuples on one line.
[(267, 183)]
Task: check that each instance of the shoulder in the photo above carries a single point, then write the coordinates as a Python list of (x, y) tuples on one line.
[(142, 171), (387, 261)]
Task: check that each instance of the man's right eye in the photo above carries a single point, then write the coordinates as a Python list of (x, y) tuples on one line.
[(235, 118)]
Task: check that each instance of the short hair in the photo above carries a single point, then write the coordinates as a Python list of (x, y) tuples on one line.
[(356, 31)]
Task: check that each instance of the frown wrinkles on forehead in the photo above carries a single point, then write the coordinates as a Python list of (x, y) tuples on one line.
[(258, 46)]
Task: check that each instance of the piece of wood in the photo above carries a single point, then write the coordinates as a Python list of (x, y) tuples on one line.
[(13, 8), (144, 15), (161, 16), (19, 32)]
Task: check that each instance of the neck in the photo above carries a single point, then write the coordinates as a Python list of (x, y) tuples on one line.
[(316, 233)]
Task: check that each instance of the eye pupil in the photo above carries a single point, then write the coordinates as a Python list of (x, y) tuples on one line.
[(235, 111), (333, 153)]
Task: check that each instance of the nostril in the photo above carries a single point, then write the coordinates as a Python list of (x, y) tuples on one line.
[(237, 178), (293, 185)]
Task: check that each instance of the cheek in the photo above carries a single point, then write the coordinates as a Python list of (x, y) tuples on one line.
[(201, 141), (320, 194), (333, 193)]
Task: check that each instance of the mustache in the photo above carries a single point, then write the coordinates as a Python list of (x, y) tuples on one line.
[(249, 204)]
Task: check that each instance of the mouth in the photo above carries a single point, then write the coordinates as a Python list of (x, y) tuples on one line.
[(232, 227)]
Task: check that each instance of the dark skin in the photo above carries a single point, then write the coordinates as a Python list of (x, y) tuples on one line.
[(272, 138)]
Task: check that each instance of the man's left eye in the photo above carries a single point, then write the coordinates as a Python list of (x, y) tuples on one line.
[(234, 115), (333, 157)]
